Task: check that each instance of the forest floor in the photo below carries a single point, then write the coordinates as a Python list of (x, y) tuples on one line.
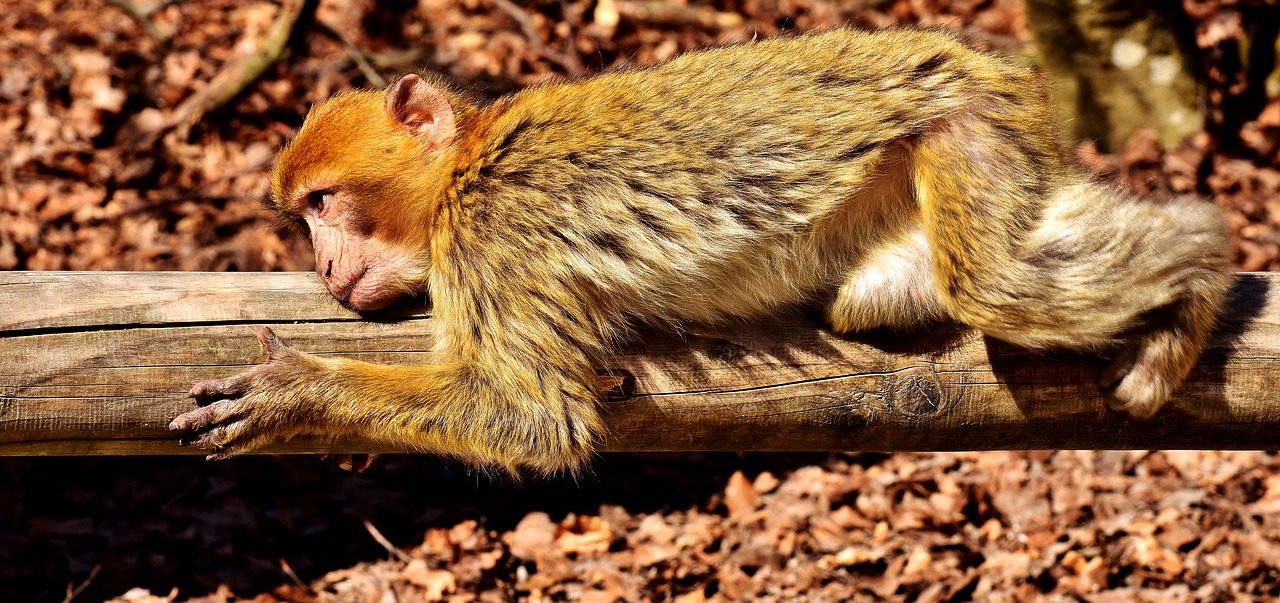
[(95, 176)]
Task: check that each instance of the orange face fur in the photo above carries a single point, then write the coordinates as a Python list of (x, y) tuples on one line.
[(354, 178)]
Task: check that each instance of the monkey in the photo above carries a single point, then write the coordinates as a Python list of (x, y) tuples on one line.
[(892, 179)]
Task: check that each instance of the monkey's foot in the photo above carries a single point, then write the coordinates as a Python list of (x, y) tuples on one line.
[(1135, 383), (245, 412)]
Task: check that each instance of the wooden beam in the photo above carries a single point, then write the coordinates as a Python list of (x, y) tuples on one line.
[(98, 363)]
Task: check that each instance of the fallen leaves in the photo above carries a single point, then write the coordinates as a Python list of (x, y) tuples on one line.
[(87, 181), (1010, 534)]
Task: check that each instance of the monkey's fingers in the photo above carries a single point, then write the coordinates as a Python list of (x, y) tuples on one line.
[(217, 442), (212, 390), (359, 462), (222, 454), (276, 349), (221, 443), (202, 418), (355, 463), (230, 438)]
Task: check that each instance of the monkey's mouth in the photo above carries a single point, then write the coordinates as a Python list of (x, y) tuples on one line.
[(364, 294), (343, 292)]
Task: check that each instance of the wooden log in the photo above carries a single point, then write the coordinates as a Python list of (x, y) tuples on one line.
[(98, 363)]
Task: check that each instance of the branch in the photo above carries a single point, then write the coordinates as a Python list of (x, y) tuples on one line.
[(568, 60), (243, 72), (357, 56), (98, 363)]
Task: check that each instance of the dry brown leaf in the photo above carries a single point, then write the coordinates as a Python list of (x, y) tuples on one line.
[(740, 496), (435, 583), (584, 534), (533, 538)]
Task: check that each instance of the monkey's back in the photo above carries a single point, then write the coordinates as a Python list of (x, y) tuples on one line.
[(742, 178)]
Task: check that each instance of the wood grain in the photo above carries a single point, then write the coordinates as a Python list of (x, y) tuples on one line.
[(98, 363)]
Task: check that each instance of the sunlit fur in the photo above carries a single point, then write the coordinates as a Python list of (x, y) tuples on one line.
[(898, 178)]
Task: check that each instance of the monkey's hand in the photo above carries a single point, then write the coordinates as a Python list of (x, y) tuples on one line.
[(437, 407), (265, 404)]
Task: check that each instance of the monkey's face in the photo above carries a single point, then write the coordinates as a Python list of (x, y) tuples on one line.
[(350, 179), (359, 177), (363, 271)]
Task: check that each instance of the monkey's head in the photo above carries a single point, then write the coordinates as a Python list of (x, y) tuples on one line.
[(358, 179)]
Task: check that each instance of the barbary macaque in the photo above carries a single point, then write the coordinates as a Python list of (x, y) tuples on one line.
[(894, 179)]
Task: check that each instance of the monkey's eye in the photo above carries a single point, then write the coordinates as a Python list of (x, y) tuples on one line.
[(317, 200)]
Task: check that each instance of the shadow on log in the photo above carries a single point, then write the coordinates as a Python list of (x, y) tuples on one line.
[(98, 363)]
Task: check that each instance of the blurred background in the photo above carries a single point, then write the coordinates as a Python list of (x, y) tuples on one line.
[(138, 135)]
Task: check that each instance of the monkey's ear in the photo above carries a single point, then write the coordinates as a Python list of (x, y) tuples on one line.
[(423, 110)]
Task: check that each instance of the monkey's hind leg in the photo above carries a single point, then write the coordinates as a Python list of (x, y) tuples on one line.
[(1034, 255), (1167, 261)]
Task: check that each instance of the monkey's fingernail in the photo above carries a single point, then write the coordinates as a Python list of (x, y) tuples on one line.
[(220, 453), (268, 337)]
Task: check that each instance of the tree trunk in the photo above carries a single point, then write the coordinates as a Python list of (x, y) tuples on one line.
[(1115, 65)]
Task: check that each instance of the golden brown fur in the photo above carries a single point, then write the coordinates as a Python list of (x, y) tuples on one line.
[(899, 177)]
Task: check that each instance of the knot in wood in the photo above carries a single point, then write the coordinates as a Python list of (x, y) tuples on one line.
[(725, 351), (915, 393), (616, 385)]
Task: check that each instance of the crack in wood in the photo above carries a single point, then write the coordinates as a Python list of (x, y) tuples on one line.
[(202, 324), (798, 382)]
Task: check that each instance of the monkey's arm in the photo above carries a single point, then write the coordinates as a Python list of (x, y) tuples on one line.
[(545, 420)]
